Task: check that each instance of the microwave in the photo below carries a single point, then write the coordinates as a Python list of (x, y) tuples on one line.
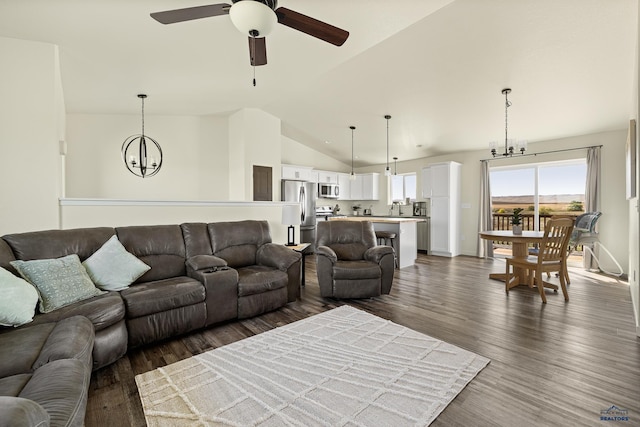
[(328, 191)]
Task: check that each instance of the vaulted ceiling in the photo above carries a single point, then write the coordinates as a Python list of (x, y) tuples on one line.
[(436, 66)]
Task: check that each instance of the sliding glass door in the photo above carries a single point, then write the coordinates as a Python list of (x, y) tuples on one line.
[(542, 190)]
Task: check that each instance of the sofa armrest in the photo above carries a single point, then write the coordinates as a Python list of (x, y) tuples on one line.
[(376, 253), (327, 252), (277, 256), (204, 262), (17, 411)]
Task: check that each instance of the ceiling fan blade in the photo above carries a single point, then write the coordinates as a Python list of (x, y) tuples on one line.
[(257, 51), (190, 13), (311, 26)]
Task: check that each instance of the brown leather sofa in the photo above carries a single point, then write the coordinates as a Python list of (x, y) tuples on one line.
[(349, 264), (201, 274)]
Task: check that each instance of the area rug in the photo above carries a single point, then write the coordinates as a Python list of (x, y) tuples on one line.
[(343, 367)]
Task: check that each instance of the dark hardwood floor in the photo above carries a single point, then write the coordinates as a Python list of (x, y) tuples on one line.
[(551, 365)]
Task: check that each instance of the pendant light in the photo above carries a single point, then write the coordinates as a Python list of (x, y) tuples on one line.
[(509, 144), (395, 165), (136, 156), (387, 170), (353, 175)]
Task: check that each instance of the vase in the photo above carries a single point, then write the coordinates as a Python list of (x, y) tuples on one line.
[(517, 230)]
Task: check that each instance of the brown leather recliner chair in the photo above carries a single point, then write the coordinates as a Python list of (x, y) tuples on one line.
[(349, 264)]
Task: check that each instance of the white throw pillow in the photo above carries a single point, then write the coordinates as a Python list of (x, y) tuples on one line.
[(18, 300), (112, 268)]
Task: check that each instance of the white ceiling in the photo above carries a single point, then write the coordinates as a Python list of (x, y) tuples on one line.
[(436, 66)]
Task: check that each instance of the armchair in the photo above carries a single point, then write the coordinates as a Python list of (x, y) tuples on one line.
[(349, 264)]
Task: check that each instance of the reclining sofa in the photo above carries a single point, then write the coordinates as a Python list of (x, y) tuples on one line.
[(201, 274)]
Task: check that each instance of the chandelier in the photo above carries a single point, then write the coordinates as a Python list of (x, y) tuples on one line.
[(137, 157), (510, 145)]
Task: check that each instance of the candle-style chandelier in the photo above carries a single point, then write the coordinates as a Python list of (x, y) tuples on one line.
[(510, 145), (141, 159)]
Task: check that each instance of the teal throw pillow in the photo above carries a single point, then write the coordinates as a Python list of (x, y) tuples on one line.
[(18, 300), (112, 268), (60, 281)]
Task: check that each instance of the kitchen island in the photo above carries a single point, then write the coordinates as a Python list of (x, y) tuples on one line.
[(406, 244)]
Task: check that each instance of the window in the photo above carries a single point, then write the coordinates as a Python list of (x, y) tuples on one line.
[(542, 190), (403, 187)]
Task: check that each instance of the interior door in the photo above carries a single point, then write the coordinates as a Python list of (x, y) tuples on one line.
[(262, 183)]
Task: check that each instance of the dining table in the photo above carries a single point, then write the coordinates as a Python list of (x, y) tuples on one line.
[(519, 249)]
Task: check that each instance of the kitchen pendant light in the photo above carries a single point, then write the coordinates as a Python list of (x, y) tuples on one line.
[(509, 144), (353, 175), (387, 170), (136, 157), (395, 165)]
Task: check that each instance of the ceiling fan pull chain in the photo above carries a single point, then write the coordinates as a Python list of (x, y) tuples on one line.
[(253, 58), (254, 76)]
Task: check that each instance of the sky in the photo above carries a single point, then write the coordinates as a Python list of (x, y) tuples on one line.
[(559, 179)]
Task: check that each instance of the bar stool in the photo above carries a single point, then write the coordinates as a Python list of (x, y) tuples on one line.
[(388, 238)]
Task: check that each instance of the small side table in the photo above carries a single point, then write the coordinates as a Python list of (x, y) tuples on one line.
[(304, 249)]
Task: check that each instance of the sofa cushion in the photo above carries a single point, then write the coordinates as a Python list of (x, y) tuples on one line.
[(18, 300), (257, 279), (196, 239), (16, 411), (6, 256), (25, 349), (162, 295), (355, 270), (161, 247), (58, 243), (237, 242), (61, 388), (13, 385), (60, 281), (112, 268), (71, 338), (103, 311)]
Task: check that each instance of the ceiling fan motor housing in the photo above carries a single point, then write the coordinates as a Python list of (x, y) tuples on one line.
[(254, 17), (271, 3)]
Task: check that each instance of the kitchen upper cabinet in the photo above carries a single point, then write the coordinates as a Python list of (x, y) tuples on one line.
[(356, 188), (370, 186), (327, 177), (300, 173), (344, 186), (441, 185), (436, 179)]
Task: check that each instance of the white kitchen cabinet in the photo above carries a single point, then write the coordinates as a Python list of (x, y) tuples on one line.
[(370, 186), (441, 185), (300, 173), (344, 186), (355, 186), (327, 177)]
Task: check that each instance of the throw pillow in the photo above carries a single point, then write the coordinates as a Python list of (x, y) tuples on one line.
[(18, 300), (60, 281), (112, 268)]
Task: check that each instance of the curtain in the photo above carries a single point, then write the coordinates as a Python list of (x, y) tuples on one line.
[(485, 247), (592, 193)]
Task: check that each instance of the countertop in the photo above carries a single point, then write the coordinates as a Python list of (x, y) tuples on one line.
[(385, 219)]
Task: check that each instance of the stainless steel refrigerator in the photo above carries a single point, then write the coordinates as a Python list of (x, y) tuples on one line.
[(305, 193)]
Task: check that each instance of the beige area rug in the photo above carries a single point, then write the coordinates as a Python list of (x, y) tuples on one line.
[(343, 367)]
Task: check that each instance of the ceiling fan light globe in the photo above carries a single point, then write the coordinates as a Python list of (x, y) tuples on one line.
[(249, 16)]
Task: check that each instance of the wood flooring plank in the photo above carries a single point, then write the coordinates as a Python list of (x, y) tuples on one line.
[(552, 364)]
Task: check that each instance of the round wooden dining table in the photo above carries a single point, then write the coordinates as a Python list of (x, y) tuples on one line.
[(520, 249)]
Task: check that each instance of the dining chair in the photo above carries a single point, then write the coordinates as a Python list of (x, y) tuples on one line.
[(552, 256), (534, 251)]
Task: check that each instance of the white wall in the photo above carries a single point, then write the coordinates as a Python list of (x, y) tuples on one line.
[(295, 153), (613, 225), (254, 140), (30, 104), (194, 163), (634, 215)]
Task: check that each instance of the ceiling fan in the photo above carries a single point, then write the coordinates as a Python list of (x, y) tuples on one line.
[(257, 18)]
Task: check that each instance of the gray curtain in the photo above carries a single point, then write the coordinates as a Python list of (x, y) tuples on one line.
[(485, 247), (592, 193)]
